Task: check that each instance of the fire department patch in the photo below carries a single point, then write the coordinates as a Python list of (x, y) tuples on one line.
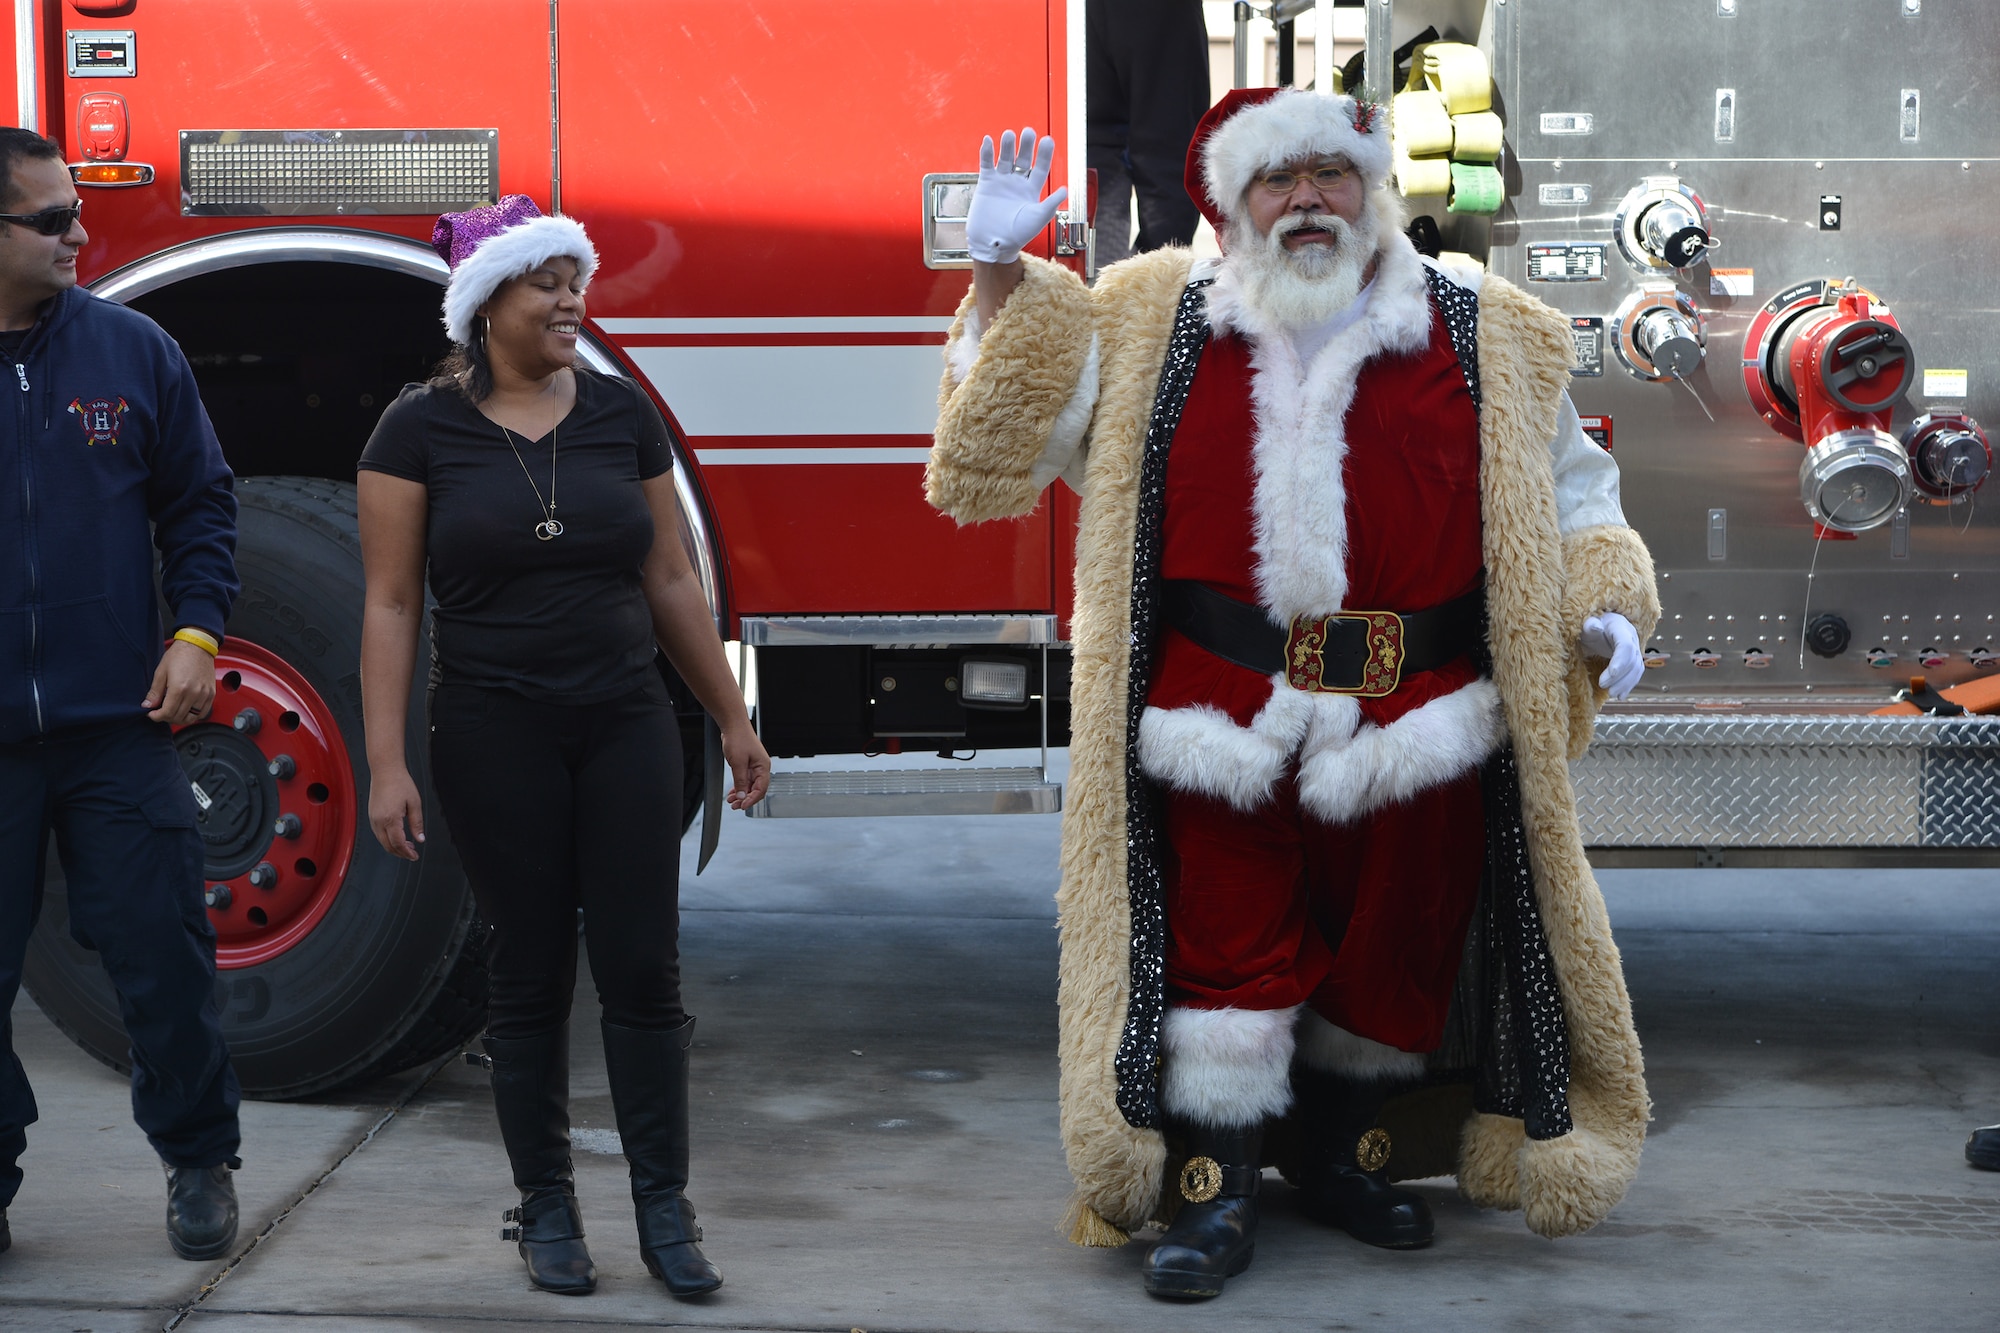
[(102, 419)]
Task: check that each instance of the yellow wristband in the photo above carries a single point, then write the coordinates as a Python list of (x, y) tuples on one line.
[(201, 639)]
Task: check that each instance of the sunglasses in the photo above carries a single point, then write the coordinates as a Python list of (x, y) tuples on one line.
[(50, 221)]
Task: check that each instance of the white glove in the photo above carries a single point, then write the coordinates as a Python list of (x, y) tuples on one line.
[(1008, 210), (1611, 635)]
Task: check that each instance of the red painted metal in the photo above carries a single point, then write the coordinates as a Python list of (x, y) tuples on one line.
[(307, 64), (320, 791), (734, 163)]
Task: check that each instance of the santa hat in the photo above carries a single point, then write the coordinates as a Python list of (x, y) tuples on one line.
[(490, 245), (1255, 130)]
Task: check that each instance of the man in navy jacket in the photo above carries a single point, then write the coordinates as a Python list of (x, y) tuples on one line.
[(105, 453)]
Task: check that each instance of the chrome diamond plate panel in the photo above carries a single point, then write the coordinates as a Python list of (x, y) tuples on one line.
[(1677, 781)]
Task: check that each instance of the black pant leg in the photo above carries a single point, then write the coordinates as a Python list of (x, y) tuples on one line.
[(501, 766), (23, 844), (124, 820), (1114, 205), (628, 834), (1160, 51)]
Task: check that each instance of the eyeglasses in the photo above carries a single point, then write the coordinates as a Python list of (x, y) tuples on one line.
[(50, 221), (1324, 179)]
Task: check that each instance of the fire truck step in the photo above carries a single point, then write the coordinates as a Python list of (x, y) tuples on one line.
[(910, 791)]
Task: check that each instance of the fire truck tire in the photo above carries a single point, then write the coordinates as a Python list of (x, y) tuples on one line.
[(392, 973)]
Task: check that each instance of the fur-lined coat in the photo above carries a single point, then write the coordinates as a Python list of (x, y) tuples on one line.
[(1069, 375)]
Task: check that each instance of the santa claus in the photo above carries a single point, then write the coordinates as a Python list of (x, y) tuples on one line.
[(1351, 584)]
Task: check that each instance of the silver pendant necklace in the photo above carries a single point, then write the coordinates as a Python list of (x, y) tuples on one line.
[(550, 527)]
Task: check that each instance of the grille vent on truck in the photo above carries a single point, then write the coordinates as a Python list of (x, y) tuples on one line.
[(262, 173)]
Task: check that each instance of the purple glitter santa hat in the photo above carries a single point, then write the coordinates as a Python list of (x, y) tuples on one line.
[(487, 246)]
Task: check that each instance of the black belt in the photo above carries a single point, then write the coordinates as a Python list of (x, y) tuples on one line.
[(1351, 652)]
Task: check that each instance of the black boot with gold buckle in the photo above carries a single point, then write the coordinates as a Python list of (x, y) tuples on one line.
[(1214, 1235), (1343, 1180)]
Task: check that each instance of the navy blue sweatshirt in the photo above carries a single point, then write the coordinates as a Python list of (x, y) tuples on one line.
[(104, 435)]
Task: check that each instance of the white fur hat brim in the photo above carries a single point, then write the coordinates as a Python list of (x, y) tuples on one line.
[(515, 251), (1284, 128)]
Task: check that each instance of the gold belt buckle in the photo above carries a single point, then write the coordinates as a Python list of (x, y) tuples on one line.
[(1305, 654)]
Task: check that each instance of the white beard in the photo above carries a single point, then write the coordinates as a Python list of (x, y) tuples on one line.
[(1301, 289)]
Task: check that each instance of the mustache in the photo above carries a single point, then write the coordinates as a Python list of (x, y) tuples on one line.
[(1292, 222)]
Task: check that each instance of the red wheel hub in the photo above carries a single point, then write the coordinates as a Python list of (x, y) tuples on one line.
[(277, 805)]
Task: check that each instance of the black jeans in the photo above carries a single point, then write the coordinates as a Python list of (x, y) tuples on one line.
[(1147, 89), (556, 806), (124, 822)]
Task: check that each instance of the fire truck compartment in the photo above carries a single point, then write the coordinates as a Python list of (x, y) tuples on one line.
[(857, 700)]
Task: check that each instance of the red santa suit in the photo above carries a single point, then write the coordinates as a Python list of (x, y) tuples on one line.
[(1327, 848)]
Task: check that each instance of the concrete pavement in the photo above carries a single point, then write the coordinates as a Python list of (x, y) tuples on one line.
[(876, 1146)]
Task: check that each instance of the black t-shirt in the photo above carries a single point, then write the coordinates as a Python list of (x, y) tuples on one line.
[(563, 620)]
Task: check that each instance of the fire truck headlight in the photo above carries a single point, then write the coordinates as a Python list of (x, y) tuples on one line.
[(993, 684)]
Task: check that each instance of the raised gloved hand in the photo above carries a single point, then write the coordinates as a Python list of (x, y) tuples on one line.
[(1610, 635), (1008, 210)]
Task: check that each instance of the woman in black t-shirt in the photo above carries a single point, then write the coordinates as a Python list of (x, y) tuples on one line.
[(540, 496)]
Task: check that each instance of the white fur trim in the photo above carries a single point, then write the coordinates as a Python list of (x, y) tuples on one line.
[(1343, 778), (1346, 769), (1300, 499), (513, 252), (1333, 1049), (1201, 751), (1226, 1068), (1066, 435), (1282, 129)]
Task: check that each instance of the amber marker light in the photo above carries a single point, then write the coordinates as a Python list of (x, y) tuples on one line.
[(111, 173)]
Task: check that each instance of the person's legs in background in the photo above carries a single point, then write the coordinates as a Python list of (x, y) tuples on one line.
[(1147, 90)]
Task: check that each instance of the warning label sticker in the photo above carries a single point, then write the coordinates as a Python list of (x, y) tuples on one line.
[(1588, 331), (1566, 261), (1599, 431), (1944, 383), (1732, 281)]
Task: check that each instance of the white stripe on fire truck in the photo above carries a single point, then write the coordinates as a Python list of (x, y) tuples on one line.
[(874, 390), (785, 324), (795, 457)]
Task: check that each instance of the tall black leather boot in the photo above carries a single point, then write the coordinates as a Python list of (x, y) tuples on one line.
[(649, 1091), (1342, 1180), (531, 1098), (1214, 1235)]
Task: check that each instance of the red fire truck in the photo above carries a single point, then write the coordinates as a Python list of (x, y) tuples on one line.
[(261, 177)]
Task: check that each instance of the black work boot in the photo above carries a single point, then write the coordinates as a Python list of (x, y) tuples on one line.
[(1214, 1235), (201, 1210), (1341, 1180), (649, 1092), (1982, 1150), (531, 1099)]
